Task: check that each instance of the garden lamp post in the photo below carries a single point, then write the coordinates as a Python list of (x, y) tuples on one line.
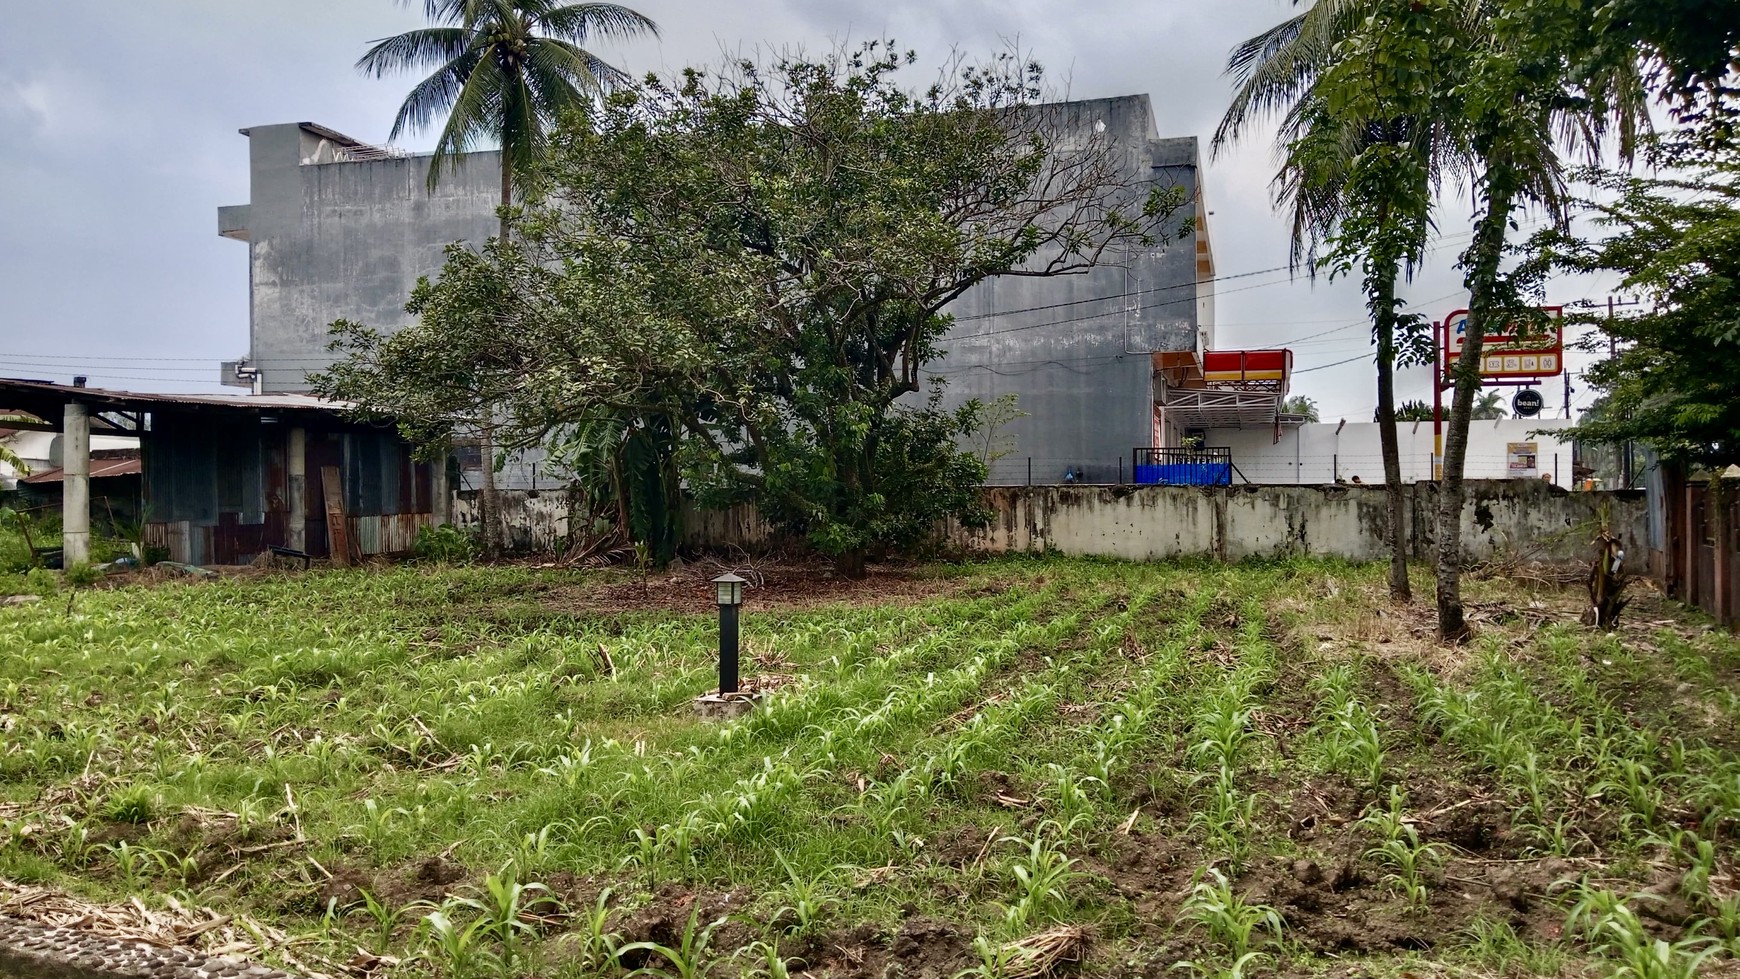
[(728, 590)]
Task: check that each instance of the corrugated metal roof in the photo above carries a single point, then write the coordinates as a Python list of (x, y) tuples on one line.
[(140, 400), (100, 468)]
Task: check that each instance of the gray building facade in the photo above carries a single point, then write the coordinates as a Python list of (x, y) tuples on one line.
[(1078, 350), (339, 229)]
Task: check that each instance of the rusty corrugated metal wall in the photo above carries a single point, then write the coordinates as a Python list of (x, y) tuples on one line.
[(217, 486)]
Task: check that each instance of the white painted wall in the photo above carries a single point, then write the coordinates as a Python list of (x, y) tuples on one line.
[(1321, 452), (36, 449)]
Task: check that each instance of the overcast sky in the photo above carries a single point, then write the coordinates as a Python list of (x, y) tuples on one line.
[(117, 152)]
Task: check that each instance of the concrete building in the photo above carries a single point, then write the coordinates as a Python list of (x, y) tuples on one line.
[(339, 229), (1330, 452), (1080, 351)]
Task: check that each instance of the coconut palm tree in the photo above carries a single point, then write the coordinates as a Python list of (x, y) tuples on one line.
[(1488, 407), (1356, 166), (1522, 82), (1300, 405), (502, 71)]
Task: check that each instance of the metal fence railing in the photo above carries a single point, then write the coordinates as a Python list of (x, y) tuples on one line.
[(1205, 466), (1015, 470)]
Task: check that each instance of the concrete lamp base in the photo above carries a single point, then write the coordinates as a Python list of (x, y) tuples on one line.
[(725, 707)]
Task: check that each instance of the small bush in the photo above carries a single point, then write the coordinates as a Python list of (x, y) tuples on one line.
[(41, 581), (445, 544), (83, 575)]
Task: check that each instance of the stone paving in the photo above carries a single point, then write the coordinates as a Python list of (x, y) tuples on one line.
[(32, 951)]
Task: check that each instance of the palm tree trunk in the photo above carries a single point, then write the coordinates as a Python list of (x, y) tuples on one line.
[(1481, 279), (1384, 310)]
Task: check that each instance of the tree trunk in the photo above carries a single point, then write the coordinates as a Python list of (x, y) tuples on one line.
[(488, 498), (850, 564), (1385, 314), (1481, 280)]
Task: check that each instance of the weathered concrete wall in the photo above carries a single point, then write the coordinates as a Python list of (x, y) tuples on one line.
[(1075, 348), (343, 240), (1525, 518), (1503, 517), (537, 521)]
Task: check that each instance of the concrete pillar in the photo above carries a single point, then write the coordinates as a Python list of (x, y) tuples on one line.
[(75, 518), (296, 465), (440, 492)]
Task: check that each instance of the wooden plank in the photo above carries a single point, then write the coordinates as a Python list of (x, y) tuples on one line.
[(337, 531)]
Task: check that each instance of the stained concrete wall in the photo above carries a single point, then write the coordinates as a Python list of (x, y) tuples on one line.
[(343, 240), (537, 521), (1522, 518), (1075, 349)]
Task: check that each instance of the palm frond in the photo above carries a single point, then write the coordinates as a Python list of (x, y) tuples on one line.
[(412, 50), (579, 21), (580, 72), (433, 95), (476, 114), (1273, 69)]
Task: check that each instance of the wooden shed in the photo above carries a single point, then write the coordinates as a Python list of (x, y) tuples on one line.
[(228, 477)]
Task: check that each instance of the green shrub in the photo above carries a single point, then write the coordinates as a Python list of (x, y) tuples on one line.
[(83, 575), (445, 544), (41, 581)]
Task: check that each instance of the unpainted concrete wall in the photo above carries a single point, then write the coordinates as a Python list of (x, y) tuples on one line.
[(537, 521), (346, 240)]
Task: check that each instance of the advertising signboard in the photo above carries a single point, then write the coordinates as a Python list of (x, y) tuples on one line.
[(1514, 350), (1521, 459)]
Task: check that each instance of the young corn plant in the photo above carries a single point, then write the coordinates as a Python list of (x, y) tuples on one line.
[(1227, 919), (806, 900), (1351, 744), (501, 907), (1226, 817), (455, 949), (1633, 953), (997, 960), (598, 945), (385, 918), (765, 962), (1400, 849), (688, 959), (1041, 874)]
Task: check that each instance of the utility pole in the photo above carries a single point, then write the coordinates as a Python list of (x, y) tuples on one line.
[(1625, 473)]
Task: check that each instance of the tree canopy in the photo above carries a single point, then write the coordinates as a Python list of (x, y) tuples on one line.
[(766, 256), (1675, 383)]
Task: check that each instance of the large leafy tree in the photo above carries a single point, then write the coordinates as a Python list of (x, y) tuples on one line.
[(500, 71), (767, 254), (1675, 382)]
